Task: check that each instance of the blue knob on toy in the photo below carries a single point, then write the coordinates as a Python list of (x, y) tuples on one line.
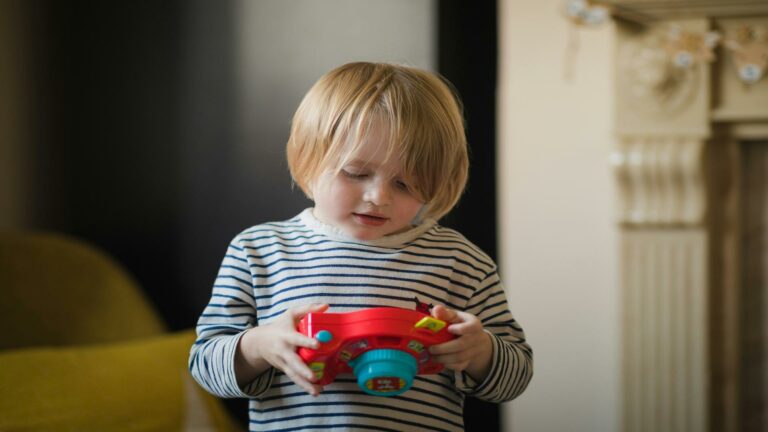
[(324, 336), (384, 372)]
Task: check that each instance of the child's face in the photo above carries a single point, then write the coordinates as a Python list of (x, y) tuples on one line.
[(367, 198)]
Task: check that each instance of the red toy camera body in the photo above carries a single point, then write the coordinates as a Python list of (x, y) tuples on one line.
[(384, 347)]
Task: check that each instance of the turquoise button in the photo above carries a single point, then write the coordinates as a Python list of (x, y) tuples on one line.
[(324, 336)]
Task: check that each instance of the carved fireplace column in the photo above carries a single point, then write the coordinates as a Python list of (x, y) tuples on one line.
[(679, 163), (662, 127)]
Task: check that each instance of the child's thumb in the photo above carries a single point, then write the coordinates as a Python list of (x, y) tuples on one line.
[(443, 313), (300, 311), (318, 307)]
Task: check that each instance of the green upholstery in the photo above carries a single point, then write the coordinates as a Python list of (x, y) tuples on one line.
[(82, 349), (55, 290)]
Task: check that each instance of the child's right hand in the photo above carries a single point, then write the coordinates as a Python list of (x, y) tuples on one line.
[(276, 343)]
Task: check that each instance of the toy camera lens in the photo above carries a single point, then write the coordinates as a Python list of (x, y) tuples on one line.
[(384, 372)]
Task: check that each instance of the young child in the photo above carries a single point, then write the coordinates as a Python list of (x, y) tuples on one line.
[(381, 151)]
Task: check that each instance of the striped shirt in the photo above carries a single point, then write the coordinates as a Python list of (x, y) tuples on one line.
[(274, 266)]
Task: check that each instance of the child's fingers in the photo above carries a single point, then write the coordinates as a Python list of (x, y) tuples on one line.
[(450, 347), (454, 361), (294, 362), (465, 327), (443, 313), (461, 322), (300, 374), (298, 312), (300, 340), (302, 382)]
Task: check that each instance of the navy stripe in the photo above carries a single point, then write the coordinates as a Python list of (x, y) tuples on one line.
[(272, 235), (291, 230), (331, 305), (217, 295), (230, 256), (351, 285), (331, 427), (352, 249), (243, 281), (240, 269), (377, 259), (215, 305), (348, 403), (234, 288), (302, 393), (207, 315), (360, 276), (487, 319), (288, 299), (345, 266)]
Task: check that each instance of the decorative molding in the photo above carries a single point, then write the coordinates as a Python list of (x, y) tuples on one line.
[(662, 129), (652, 85), (660, 180), (680, 275), (648, 11), (654, 93)]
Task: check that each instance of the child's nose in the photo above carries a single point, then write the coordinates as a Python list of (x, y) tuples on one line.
[(378, 193)]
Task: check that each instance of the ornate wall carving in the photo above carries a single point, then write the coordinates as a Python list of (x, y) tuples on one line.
[(682, 287), (662, 132)]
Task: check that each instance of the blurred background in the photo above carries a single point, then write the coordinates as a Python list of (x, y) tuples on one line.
[(156, 131)]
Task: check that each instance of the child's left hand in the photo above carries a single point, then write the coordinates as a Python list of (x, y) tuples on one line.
[(471, 351)]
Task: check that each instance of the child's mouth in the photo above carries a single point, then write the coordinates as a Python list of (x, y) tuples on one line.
[(369, 220)]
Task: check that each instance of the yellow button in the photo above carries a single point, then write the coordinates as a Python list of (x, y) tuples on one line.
[(431, 323)]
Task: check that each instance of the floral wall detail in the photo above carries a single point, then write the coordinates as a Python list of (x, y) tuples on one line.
[(748, 45)]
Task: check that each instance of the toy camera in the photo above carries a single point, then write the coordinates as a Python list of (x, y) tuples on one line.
[(384, 347)]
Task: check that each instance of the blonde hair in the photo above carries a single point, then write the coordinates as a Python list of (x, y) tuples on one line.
[(420, 111)]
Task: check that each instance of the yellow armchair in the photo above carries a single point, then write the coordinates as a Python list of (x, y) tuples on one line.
[(81, 348)]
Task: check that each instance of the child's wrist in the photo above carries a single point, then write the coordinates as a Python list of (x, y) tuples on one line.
[(480, 366), (248, 352)]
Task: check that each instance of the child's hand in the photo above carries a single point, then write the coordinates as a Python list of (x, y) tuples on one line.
[(277, 342), (471, 351)]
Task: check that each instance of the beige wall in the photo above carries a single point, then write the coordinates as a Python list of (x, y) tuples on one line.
[(558, 251)]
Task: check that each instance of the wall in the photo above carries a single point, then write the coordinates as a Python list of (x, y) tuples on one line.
[(558, 251), (277, 50)]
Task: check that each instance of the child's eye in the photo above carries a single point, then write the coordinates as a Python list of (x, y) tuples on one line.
[(354, 174), (401, 185)]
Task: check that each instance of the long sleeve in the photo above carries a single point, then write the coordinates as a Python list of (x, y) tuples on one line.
[(230, 312), (272, 267), (512, 362)]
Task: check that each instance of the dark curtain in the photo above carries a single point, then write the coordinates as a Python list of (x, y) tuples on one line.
[(467, 57)]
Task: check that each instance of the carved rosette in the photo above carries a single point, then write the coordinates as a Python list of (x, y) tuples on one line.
[(653, 85)]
